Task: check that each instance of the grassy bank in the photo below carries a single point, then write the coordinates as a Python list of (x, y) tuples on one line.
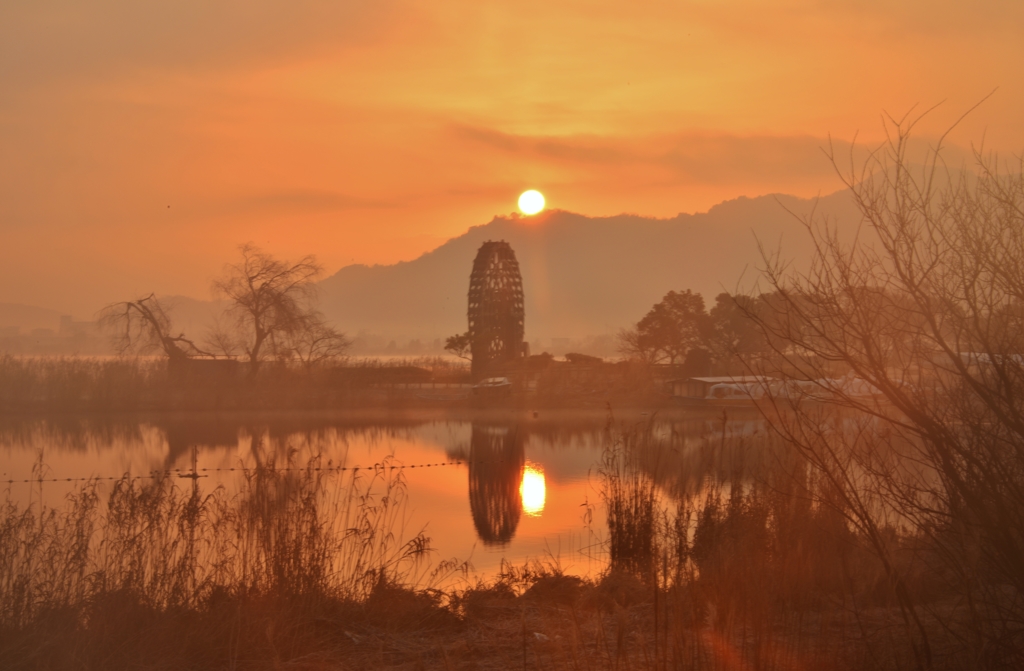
[(81, 384)]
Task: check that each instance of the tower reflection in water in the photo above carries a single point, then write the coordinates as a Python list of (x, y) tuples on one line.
[(497, 462)]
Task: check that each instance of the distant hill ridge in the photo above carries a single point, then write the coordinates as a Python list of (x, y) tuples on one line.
[(581, 275)]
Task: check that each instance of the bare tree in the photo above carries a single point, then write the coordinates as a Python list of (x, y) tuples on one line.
[(221, 337), (143, 326), (318, 343), (636, 345), (918, 328), (272, 309)]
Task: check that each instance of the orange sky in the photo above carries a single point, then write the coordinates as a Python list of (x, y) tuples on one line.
[(373, 131)]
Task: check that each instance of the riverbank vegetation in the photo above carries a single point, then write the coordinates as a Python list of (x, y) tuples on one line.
[(728, 552), (72, 384), (126, 384), (926, 311)]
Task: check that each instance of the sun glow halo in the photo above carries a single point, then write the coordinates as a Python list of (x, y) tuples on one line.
[(531, 202), (533, 490)]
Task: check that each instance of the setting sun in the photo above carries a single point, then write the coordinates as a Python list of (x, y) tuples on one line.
[(533, 489), (531, 202)]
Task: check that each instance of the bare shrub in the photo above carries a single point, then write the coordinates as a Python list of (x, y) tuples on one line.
[(916, 328)]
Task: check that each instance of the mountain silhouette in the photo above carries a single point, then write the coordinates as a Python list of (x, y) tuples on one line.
[(582, 275)]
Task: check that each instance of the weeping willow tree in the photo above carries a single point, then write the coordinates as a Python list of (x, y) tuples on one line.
[(272, 311)]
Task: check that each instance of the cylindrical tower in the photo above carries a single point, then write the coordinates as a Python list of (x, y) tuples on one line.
[(496, 313)]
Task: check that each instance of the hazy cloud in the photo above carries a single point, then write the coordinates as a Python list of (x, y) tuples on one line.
[(48, 40), (295, 202)]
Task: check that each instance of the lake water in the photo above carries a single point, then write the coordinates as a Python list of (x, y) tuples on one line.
[(489, 488)]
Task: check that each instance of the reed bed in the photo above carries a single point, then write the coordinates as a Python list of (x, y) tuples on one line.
[(63, 383), (152, 561), (105, 384)]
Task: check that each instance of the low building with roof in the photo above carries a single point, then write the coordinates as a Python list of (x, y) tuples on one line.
[(694, 388)]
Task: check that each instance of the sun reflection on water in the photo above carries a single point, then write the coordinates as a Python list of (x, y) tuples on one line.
[(532, 490)]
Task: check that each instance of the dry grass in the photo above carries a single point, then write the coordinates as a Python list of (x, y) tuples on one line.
[(157, 571), (758, 566), (68, 384), (61, 383)]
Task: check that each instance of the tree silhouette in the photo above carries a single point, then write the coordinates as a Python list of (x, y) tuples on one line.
[(460, 345), (143, 326), (674, 326), (272, 312)]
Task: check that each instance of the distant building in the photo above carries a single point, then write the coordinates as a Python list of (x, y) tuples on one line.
[(698, 387)]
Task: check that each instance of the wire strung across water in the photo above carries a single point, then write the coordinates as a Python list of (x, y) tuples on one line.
[(190, 473)]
